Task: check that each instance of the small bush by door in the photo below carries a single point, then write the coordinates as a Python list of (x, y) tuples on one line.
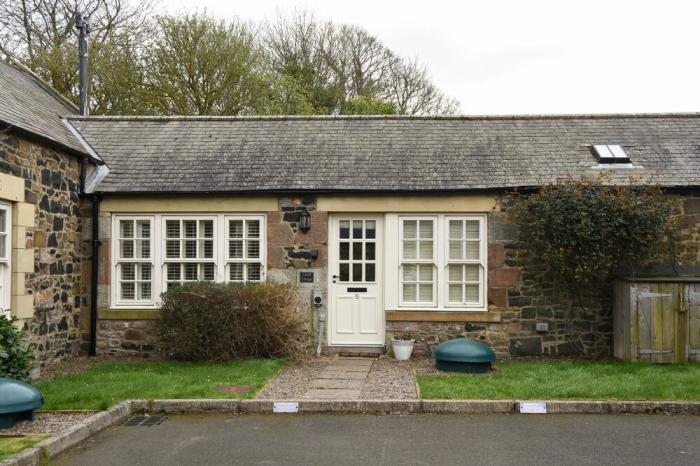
[(207, 321)]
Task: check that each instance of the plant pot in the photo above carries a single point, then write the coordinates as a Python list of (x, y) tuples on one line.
[(402, 349)]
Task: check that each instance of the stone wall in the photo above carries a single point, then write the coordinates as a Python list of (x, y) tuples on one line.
[(523, 290), (49, 295)]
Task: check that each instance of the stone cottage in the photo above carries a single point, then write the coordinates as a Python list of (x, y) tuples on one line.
[(42, 163), (385, 224)]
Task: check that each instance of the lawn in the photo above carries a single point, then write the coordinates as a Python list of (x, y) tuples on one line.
[(11, 445), (106, 384), (569, 380)]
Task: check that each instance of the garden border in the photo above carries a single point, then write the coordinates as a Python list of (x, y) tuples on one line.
[(57, 444)]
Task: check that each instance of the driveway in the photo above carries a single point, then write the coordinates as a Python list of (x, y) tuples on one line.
[(411, 439)]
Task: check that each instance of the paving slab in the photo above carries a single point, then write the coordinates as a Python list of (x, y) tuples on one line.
[(332, 394), (333, 367), (337, 383), (352, 362), (344, 375)]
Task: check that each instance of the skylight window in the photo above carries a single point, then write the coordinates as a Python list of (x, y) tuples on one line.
[(610, 153)]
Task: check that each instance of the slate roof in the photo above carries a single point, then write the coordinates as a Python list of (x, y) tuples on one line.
[(31, 105), (277, 154)]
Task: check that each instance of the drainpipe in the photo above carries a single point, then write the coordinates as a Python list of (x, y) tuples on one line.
[(94, 266)]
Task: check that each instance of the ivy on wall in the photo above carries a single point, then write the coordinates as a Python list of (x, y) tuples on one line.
[(585, 228)]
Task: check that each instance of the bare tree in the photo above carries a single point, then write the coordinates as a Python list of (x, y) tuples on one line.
[(409, 87), (41, 34)]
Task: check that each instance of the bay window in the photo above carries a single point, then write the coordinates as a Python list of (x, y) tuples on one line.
[(154, 252)]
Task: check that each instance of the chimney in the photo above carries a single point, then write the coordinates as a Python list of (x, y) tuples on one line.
[(83, 28)]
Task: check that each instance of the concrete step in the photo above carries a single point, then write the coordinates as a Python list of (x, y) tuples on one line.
[(326, 384), (342, 375), (357, 351)]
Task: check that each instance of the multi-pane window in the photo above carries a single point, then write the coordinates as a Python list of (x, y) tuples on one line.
[(5, 255), (244, 251), (134, 260), (417, 260), (154, 252), (464, 261), (357, 246), (189, 250), (441, 261)]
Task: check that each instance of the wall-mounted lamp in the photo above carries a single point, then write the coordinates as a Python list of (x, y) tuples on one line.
[(304, 221)]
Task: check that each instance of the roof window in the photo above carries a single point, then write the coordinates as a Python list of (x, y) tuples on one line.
[(610, 153)]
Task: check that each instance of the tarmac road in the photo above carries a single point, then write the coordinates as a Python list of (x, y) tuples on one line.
[(393, 439)]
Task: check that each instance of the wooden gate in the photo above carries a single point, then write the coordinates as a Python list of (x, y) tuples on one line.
[(655, 311)]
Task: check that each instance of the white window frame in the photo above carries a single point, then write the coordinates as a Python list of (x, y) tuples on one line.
[(393, 254), (159, 261), (481, 261), (262, 259), (417, 261), (117, 261), (6, 263), (215, 259)]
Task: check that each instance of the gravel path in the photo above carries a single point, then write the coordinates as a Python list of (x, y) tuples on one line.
[(46, 423), (294, 380), (390, 380), (387, 379)]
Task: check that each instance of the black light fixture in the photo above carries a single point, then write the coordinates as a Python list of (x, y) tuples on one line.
[(304, 221)]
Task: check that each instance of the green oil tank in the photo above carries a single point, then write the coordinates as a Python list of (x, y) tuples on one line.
[(464, 355), (18, 400)]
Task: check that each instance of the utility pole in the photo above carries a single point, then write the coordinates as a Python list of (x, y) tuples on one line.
[(83, 28)]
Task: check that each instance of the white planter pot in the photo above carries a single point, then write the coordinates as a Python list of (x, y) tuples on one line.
[(402, 349)]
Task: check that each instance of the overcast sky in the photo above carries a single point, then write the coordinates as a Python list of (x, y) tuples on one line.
[(527, 56)]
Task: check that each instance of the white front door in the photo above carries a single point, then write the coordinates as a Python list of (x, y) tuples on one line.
[(356, 313)]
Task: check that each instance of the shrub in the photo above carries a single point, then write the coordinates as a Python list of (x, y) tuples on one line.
[(15, 357), (207, 321), (583, 229)]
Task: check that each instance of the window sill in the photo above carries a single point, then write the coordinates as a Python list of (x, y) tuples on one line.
[(128, 314), (443, 316)]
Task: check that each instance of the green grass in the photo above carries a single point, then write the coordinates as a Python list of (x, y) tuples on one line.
[(106, 384), (569, 380), (11, 445)]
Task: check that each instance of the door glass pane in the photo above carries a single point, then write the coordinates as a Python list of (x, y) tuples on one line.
[(409, 293), (471, 249), (409, 229), (369, 272), (456, 249), (409, 249), (344, 229), (344, 272), (357, 272), (369, 251), (370, 229), (426, 293), (455, 229), (357, 228), (357, 251), (344, 251)]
